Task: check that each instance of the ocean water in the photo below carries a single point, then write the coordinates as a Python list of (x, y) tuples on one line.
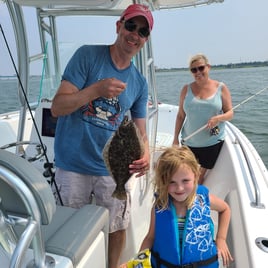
[(250, 117)]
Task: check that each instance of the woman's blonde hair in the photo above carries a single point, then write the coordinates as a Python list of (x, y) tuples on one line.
[(168, 163), (197, 57)]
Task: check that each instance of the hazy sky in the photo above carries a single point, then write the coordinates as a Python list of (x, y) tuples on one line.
[(229, 32), (233, 31)]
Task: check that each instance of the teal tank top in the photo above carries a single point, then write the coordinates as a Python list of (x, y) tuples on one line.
[(198, 111)]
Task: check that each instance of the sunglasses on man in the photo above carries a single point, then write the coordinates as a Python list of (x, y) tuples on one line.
[(131, 26)]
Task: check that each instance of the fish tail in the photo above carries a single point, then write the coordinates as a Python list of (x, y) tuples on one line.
[(119, 194)]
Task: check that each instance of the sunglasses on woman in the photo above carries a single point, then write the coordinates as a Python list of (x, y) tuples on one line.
[(131, 27), (199, 68)]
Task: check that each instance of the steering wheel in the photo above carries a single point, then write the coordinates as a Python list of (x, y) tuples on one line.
[(40, 151)]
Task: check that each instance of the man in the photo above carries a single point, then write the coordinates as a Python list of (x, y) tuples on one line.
[(99, 85)]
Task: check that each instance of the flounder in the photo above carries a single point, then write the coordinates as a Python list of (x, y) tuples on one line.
[(124, 146)]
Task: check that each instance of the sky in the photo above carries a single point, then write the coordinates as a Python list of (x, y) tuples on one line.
[(229, 32)]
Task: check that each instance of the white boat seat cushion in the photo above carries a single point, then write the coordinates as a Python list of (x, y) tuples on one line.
[(72, 231)]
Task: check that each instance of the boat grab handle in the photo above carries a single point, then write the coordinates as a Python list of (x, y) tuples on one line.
[(257, 202)]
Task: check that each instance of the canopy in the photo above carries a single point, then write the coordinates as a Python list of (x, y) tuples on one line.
[(114, 4)]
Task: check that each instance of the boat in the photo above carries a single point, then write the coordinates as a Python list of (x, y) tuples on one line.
[(34, 232)]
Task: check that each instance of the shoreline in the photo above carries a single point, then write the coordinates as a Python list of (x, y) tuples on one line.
[(253, 64), (220, 66)]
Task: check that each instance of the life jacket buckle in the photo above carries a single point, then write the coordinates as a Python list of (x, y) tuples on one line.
[(186, 266)]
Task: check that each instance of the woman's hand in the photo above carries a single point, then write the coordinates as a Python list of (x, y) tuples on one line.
[(213, 122)]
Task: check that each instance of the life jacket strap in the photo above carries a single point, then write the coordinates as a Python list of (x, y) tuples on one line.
[(197, 264)]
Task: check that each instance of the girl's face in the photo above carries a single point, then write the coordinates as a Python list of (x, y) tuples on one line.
[(181, 184)]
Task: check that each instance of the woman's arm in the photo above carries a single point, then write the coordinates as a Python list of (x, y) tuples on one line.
[(227, 109)]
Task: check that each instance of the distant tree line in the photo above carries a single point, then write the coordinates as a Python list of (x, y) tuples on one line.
[(225, 66), (242, 65)]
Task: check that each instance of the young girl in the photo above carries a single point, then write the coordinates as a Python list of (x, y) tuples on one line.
[(181, 229)]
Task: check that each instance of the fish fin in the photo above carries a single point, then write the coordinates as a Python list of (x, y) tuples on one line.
[(121, 195)]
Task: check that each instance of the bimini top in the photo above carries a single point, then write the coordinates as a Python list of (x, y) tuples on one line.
[(114, 4)]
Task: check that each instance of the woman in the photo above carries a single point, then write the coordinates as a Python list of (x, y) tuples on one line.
[(205, 105)]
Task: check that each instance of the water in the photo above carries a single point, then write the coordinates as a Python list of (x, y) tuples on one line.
[(9, 100), (250, 117)]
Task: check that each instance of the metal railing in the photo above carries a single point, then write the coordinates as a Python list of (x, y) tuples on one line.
[(32, 232), (257, 195)]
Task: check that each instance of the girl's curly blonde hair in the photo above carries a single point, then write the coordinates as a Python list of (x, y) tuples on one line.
[(168, 163)]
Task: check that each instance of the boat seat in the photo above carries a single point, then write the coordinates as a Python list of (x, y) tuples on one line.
[(63, 231)]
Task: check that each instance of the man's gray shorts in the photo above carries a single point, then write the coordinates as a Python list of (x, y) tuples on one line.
[(76, 190)]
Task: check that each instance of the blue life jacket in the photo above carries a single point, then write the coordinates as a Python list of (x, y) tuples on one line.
[(198, 244)]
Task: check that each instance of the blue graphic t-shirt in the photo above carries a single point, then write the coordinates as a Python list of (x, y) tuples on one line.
[(81, 136)]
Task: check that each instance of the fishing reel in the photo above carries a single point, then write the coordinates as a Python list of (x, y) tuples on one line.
[(214, 131)]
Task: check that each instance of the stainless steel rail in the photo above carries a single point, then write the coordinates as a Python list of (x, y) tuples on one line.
[(32, 232), (257, 199)]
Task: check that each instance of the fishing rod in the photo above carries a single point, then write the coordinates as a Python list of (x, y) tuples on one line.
[(47, 165), (235, 107)]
